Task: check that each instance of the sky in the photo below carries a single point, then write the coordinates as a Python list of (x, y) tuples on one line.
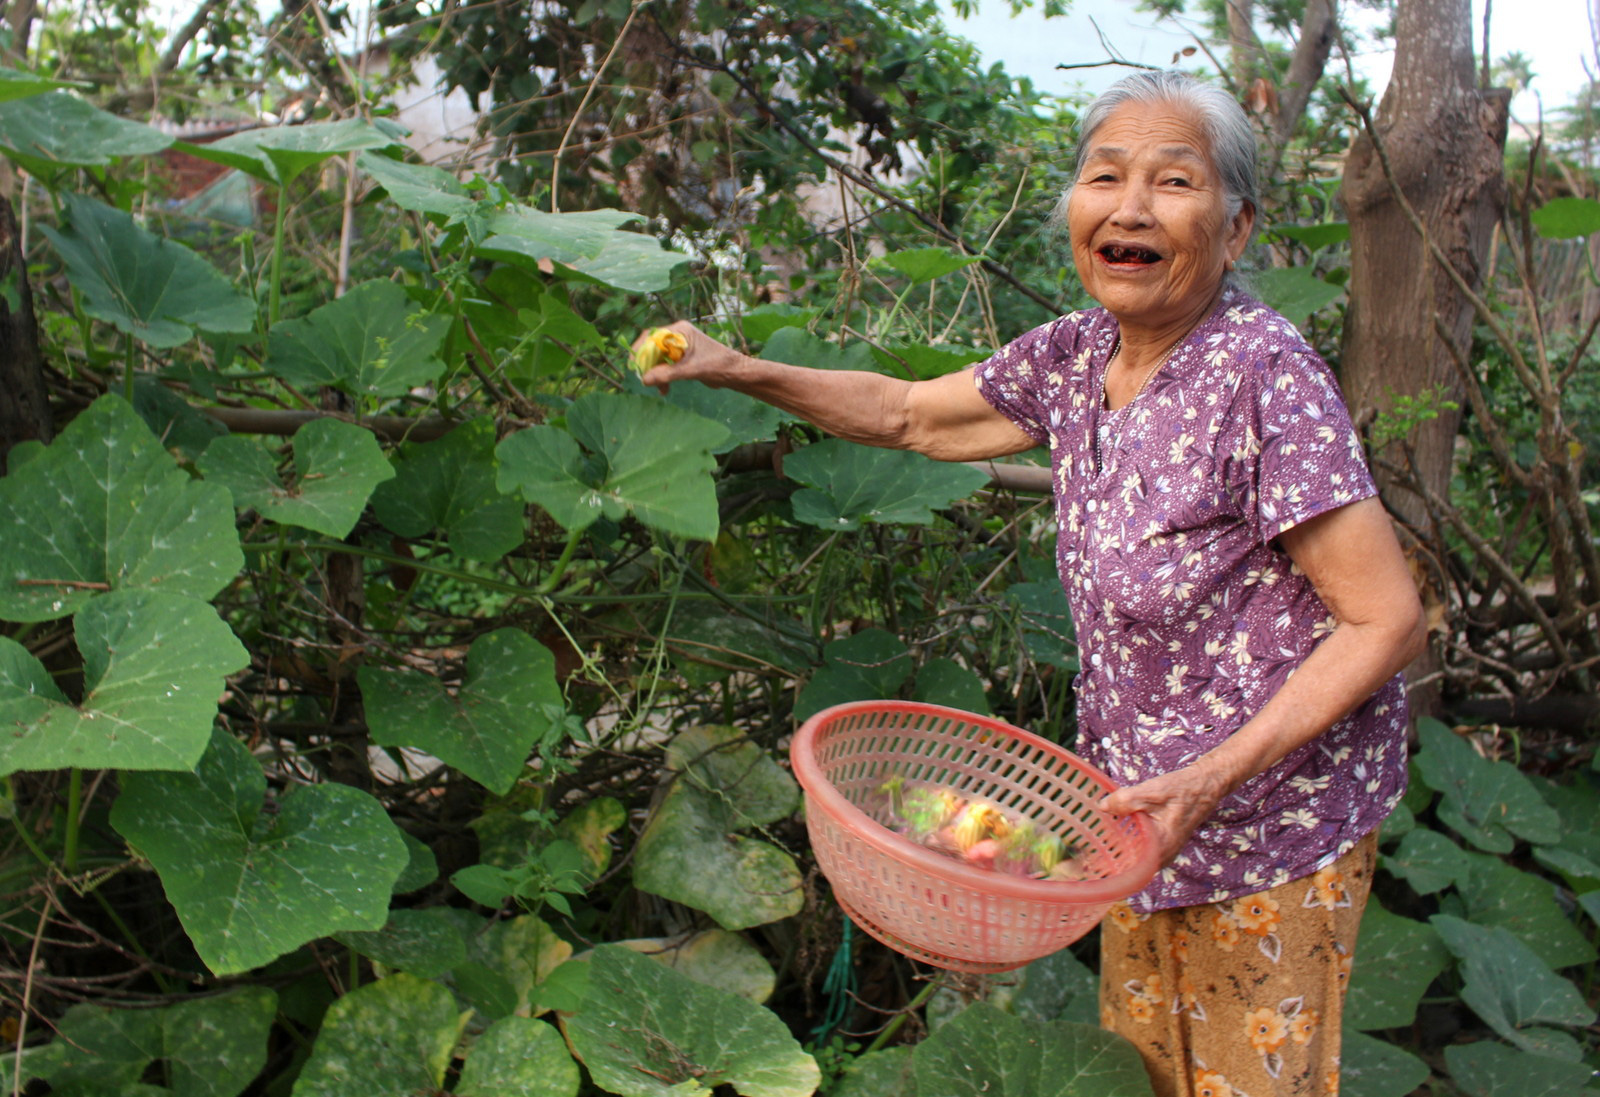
[(1554, 33)]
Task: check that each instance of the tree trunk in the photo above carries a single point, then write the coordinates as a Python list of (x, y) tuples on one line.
[(1319, 27), (24, 399), (1242, 46), (1444, 139)]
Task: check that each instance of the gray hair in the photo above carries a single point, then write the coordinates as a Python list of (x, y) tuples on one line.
[(1223, 121)]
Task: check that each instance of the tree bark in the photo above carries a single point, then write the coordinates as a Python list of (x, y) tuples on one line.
[(1318, 29), (24, 398), (1444, 139)]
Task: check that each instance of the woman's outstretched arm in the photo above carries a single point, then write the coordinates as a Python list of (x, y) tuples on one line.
[(944, 418)]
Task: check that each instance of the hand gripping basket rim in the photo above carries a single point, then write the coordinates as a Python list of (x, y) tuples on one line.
[(816, 786)]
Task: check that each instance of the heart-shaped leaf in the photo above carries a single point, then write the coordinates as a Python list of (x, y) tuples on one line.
[(629, 261), (1295, 292), (449, 484), (47, 132), (104, 507), (674, 1031), (986, 1051), (1488, 1069), (946, 682), (925, 264), (336, 464), (421, 188), (1057, 987), (1567, 218), (1396, 958), (714, 957), (868, 666), (522, 232), (519, 1057), (15, 84), (1513, 990), (1369, 1067), (524, 951), (1428, 861), (507, 702), (848, 485), (153, 668), (427, 943), (1488, 803), (249, 885), (691, 851), (392, 1038), (746, 418), (886, 1073), (151, 287), (373, 341), (654, 463), (281, 153), (211, 1047), (1500, 894)]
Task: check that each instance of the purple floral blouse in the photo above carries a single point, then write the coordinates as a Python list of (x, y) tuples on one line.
[(1189, 617)]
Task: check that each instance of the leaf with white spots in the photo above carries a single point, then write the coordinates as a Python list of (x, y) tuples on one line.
[(848, 485), (644, 1029), (519, 1057), (45, 133), (508, 701), (1369, 1067), (1513, 990), (1395, 961), (392, 1038), (986, 1051), (1491, 804), (251, 884), (427, 943), (1489, 1069), (153, 667), (336, 466), (524, 950), (373, 341), (210, 1047), (105, 507)]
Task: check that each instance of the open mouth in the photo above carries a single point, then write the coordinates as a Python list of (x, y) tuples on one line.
[(1129, 253)]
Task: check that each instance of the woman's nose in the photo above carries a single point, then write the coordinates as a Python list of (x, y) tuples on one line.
[(1133, 207)]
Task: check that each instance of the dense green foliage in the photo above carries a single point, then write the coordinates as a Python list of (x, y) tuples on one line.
[(423, 732)]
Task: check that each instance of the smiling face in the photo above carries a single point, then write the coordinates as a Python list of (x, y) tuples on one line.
[(1148, 217)]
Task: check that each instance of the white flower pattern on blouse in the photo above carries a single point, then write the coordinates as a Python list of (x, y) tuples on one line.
[(1189, 616)]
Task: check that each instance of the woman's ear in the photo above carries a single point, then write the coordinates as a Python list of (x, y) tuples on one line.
[(1244, 223)]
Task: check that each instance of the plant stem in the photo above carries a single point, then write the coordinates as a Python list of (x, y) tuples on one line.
[(561, 563), (133, 942), (69, 847), (127, 371), (274, 293), (900, 1018)]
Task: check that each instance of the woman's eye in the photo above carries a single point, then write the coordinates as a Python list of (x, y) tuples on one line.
[(1177, 181)]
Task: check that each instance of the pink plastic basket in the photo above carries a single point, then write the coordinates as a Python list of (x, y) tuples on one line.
[(934, 908)]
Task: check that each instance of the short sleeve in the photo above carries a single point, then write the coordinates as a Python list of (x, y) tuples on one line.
[(1017, 379), (1309, 458)]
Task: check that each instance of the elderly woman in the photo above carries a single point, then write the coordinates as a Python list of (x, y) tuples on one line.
[(1241, 602)]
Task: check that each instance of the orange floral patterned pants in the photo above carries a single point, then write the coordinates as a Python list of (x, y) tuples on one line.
[(1241, 998)]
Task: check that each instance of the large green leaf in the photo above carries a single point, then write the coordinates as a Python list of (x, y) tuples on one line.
[(986, 1051), (886, 1073), (630, 261), (250, 884), (522, 232), (746, 418), (55, 130), (281, 153), (714, 957), (151, 287), (1370, 1067), (1396, 958), (925, 264), (519, 1057), (524, 951), (153, 668), (392, 1038), (1491, 804), (1512, 989), (421, 188), (449, 484), (691, 851), (508, 701), (650, 459), (946, 682), (336, 465), (104, 507), (16, 84), (208, 1047), (644, 1029), (1057, 987), (1500, 894), (427, 943), (1428, 861), (870, 665), (373, 341), (1295, 292), (709, 642), (1567, 218), (1046, 621), (848, 485), (1488, 1069)]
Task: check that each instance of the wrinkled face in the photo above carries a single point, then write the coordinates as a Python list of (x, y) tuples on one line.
[(1150, 232)]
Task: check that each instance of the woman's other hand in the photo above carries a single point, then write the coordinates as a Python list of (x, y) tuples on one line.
[(703, 359), (1176, 802)]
